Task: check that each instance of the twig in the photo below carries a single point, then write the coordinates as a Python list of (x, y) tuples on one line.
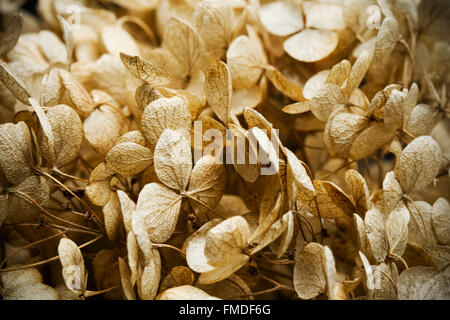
[(47, 260)]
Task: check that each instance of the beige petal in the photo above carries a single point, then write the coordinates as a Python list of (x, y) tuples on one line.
[(229, 265), (218, 90), (311, 45), (273, 233), (299, 185), (103, 128), (15, 84), (309, 276), (386, 40), (113, 218), (376, 234), (214, 21), (145, 70), (15, 158), (128, 158), (195, 248), (186, 46), (284, 85), (225, 239), (117, 40), (358, 72), (165, 113), (422, 283), (173, 160), (159, 208), (207, 182), (418, 164), (148, 281), (393, 111), (244, 57), (127, 287), (328, 99), (72, 262), (338, 74), (281, 18), (46, 136), (185, 293), (421, 120), (397, 229), (127, 207), (326, 16), (441, 220), (420, 229), (68, 133), (358, 190), (370, 140), (78, 97)]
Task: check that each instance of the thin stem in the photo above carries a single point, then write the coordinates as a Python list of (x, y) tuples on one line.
[(408, 134), (276, 262), (99, 222), (390, 279), (163, 245), (85, 164), (46, 213), (397, 257), (203, 204), (420, 213), (47, 260), (69, 175), (141, 24), (30, 245), (338, 169), (320, 219), (88, 293)]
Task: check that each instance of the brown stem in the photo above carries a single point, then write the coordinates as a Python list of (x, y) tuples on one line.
[(397, 257), (419, 211), (163, 245), (203, 204), (47, 260), (338, 169), (56, 170), (88, 293), (30, 245), (99, 222), (46, 213)]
